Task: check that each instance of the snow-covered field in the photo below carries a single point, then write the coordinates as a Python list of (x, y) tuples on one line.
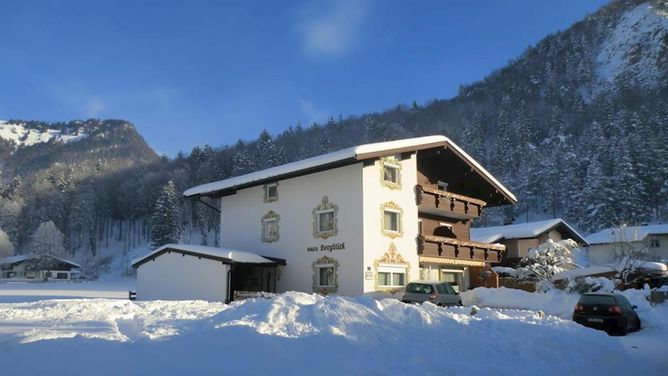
[(91, 332)]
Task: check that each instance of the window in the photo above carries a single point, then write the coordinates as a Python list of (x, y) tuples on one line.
[(391, 224), (270, 227), (390, 172), (419, 227), (324, 275), (324, 219), (654, 243), (391, 269), (391, 276), (391, 220), (443, 186), (271, 192)]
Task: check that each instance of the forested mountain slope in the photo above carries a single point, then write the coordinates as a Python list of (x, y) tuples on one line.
[(577, 127)]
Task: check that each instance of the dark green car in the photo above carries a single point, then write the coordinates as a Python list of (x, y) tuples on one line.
[(610, 312)]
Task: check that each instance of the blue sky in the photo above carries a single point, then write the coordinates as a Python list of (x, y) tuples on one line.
[(194, 72)]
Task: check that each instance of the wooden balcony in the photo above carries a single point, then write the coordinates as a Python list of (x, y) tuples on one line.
[(449, 248), (447, 204)]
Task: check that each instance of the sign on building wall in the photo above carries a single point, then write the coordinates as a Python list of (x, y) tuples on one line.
[(327, 248)]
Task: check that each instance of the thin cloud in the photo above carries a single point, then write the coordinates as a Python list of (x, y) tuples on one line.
[(330, 29), (311, 112), (86, 102)]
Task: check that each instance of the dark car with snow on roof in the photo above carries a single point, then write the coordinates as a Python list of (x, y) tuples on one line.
[(610, 312)]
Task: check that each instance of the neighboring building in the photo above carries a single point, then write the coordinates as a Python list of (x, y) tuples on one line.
[(198, 272), (520, 238), (652, 239), (366, 218), (37, 268)]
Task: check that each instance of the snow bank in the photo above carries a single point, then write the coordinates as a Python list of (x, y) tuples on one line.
[(295, 333), (554, 302)]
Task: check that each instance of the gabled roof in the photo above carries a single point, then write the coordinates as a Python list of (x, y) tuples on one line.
[(524, 230), (630, 233), (20, 258), (228, 256), (341, 158)]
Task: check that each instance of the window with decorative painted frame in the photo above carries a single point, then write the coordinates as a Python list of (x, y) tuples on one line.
[(270, 227), (390, 172), (325, 279), (391, 219), (325, 219)]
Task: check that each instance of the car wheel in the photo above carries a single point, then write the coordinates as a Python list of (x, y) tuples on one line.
[(459, 303), (639, 324)]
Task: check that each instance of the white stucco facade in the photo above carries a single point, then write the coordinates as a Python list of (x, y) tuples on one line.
[(241, 227), (359, 194), (377, 196), (175, 276)]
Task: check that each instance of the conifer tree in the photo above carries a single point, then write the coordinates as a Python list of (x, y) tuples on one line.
[(165, 226)]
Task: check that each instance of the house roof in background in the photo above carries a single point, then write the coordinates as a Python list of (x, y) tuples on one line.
[(343, 157), (20, 258), (629, 233), (524, 230)]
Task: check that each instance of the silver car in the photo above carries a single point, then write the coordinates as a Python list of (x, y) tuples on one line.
[(439, 293)]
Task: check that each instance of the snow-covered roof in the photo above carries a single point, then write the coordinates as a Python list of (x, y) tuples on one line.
[(14, 259), (20, 258), (582, 272), (355, 153), (523, 230), (223, 254), (630, 233)]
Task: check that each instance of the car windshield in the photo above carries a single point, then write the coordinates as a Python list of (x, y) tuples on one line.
[(597, 299), (419, 288)]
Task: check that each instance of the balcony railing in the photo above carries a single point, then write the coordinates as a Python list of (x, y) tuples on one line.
[(453, 205), (438, 246)]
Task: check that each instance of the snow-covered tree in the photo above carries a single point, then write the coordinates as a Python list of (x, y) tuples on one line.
[(47, 240), (629, 251), (545, 261), (6, 246), (165, 226)]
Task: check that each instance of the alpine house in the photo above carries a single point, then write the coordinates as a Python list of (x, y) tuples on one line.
[(367, 218)]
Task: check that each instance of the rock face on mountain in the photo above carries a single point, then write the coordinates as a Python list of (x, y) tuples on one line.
[(28, 147)]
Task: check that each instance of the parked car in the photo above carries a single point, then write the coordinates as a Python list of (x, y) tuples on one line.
[(609, 312), (439, 293)]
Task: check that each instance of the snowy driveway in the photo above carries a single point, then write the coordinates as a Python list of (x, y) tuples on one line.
[(297, 333)]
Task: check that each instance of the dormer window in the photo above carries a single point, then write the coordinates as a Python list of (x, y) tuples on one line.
[(271, 192)]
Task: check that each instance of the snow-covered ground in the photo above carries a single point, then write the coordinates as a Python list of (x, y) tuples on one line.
[(298, 333)]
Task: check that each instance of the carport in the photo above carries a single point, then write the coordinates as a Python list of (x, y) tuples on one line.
[(186, 272)]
